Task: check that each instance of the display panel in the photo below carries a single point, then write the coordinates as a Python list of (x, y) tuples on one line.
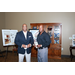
[(34, 32), (8, 37)]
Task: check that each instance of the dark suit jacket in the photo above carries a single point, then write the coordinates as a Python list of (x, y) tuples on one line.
[(20, 39)]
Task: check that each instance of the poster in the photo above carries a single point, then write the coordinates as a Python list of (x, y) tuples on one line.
[(34, 32), (8, 37)]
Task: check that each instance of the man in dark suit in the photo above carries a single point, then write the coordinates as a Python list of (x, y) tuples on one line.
[(24, 40)]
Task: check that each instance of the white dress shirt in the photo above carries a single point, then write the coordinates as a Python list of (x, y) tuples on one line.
[(25, 34)]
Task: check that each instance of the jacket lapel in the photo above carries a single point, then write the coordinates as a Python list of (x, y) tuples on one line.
[(27, 34), (23, 36)]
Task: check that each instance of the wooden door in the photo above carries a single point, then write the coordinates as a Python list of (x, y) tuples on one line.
[(55, 46)]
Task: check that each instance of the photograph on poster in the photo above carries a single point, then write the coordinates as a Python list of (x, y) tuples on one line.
[(8, 37)]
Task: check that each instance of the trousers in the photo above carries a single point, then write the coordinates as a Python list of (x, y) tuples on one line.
[(42, 55), (28, 57)]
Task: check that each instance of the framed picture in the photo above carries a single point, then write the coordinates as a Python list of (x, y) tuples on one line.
[(34, 32)]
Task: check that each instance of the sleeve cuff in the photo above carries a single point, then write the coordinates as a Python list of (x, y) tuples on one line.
[(30, 45), (21, 46), (41, 45)]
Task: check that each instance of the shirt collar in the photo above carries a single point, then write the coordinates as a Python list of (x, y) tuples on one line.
[(24, 32), (42, 33)]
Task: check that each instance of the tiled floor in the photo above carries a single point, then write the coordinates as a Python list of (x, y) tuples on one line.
[(13, 57)]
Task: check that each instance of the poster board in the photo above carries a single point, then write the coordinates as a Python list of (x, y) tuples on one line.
[(8, 37), (34, 32)]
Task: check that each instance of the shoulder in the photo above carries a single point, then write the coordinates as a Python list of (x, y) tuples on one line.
[(29, 33), (19, 32), (46, 34)]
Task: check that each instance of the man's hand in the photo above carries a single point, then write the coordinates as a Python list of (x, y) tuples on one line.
[(28, 45), (35, 45), (39, 46), (24, 46)]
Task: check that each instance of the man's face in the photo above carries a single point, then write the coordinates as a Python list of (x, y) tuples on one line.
[(24, 27), (41, 28)]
